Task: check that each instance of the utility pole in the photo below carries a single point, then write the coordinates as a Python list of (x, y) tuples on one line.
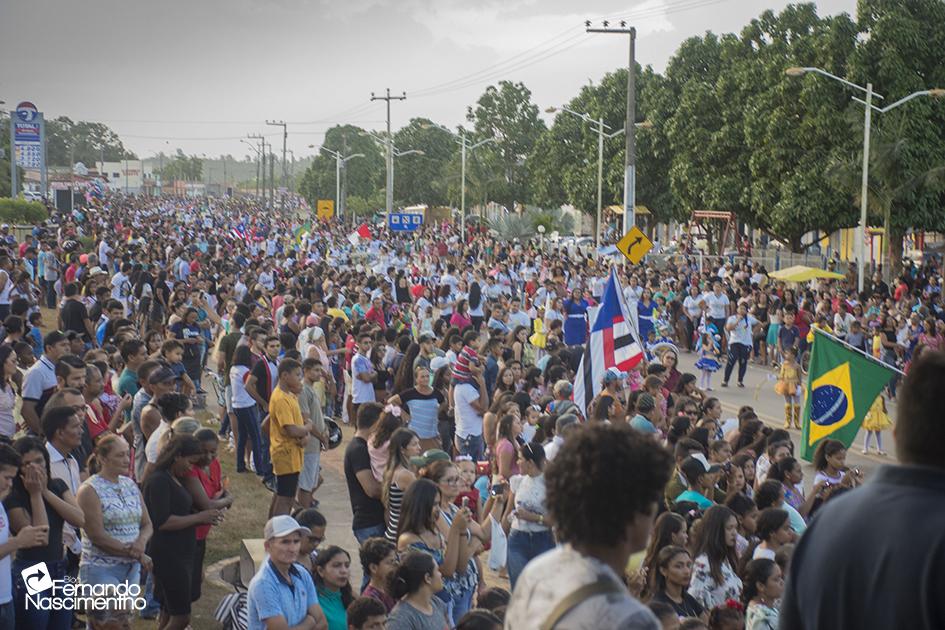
[(272, 178), (390, 150), (285, 137), (630, 161), (260, 166)]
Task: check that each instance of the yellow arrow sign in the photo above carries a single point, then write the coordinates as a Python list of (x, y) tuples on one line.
[(325, 209), (634, 245)]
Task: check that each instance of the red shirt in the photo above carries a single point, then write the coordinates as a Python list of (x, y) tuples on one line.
[(97, 420), (212, 485)]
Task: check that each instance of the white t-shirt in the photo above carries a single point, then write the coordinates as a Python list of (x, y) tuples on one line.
[(151, 448), (519, 319), (468, 420), (693, 306), (717, 305)]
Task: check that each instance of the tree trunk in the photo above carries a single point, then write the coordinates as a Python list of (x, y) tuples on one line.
[(894, 237)]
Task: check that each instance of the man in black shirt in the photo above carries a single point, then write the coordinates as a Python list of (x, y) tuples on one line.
[(874, 558), (363, 489), (74, 316)]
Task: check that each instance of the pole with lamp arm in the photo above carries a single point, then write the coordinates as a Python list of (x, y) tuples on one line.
[(867, 122), (599, 126)]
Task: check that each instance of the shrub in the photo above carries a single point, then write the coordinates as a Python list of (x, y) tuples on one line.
[(22, 211)]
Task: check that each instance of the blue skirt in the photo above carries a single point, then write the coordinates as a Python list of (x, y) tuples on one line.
[(707, 364)]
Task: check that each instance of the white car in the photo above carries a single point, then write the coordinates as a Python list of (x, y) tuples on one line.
[(32, 195)]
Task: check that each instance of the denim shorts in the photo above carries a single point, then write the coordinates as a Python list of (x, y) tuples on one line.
[(115, 574)]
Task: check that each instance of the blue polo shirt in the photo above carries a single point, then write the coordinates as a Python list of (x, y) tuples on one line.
[(270, 595)]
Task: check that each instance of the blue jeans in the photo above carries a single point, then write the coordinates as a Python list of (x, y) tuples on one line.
[(471, 445), (523, 547), (247, 419), (31, 617)]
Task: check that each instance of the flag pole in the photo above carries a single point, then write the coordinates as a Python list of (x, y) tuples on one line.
[(855, 349)]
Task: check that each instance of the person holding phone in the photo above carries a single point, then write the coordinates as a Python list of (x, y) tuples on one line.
[(530, 531)]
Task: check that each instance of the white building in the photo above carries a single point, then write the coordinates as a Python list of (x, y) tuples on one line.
[(130, 176)]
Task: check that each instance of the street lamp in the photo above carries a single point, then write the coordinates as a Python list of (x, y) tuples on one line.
[(600, 125), (630, 157), (541, 238), (465, 147), (867, 121), (339, 162)]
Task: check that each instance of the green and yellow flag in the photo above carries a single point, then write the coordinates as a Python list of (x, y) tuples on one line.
[(841, 386)]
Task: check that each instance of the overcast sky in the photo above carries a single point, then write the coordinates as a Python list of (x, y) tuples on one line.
[(198, 74)]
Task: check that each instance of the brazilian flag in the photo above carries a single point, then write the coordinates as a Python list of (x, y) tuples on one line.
[(842, 384)]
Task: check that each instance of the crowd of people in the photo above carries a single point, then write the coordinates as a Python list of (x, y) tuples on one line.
[(466, 459)]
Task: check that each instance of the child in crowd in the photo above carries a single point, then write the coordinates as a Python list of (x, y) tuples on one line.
[(709, 353), (172, 352), (875, 422), (789, 386), (35, 333)]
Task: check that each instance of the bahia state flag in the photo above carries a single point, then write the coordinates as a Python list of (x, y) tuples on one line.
[(841, 387), (613, 343)]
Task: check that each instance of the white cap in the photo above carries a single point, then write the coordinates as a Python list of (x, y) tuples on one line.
[(283, 525)]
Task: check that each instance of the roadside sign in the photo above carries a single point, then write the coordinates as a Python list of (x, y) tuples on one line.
[(403, 222), (325, 209), (634, 245)]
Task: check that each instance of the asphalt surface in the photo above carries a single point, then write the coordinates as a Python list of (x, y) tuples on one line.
[(759, 393)]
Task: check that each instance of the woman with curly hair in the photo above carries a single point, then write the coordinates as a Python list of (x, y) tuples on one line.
[(602, 495)]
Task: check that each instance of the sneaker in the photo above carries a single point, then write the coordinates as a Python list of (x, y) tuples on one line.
[(270, 484), (724, 383), (741, 384)]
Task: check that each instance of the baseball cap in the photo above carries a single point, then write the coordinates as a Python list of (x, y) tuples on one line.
[(696, 464), (430, 456), (283, 525), (161, 375), (613, 374), (426, 337), (97, 271), (54, 337)]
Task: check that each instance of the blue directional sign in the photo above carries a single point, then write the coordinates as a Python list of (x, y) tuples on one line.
[(402, 222)]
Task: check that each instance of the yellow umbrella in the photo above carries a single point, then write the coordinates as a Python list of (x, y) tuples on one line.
[(800, 273)]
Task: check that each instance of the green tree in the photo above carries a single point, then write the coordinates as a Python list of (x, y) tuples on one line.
[(794, 128), (422, 179), (365, 175), (84, 142), (7, 155), (507, 114), (182, 167), (709, 169), (900, 52)]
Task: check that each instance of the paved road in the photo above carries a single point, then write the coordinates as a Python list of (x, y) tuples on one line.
[(759, 393)]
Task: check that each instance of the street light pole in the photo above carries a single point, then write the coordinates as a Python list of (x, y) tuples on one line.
[(630, 159), (389, 200), (867, 122), (285, 173)]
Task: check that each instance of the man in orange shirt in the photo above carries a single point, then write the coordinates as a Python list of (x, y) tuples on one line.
[(288, 433)]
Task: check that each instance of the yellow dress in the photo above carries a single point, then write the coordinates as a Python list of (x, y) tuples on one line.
[(538, 338), (876, 418), (789, 377)]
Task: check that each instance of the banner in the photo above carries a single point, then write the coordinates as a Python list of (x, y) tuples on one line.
[(836, 402)]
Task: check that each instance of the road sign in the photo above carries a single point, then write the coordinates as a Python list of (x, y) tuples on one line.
[(403, 222), (634, 245), (325, 209)]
